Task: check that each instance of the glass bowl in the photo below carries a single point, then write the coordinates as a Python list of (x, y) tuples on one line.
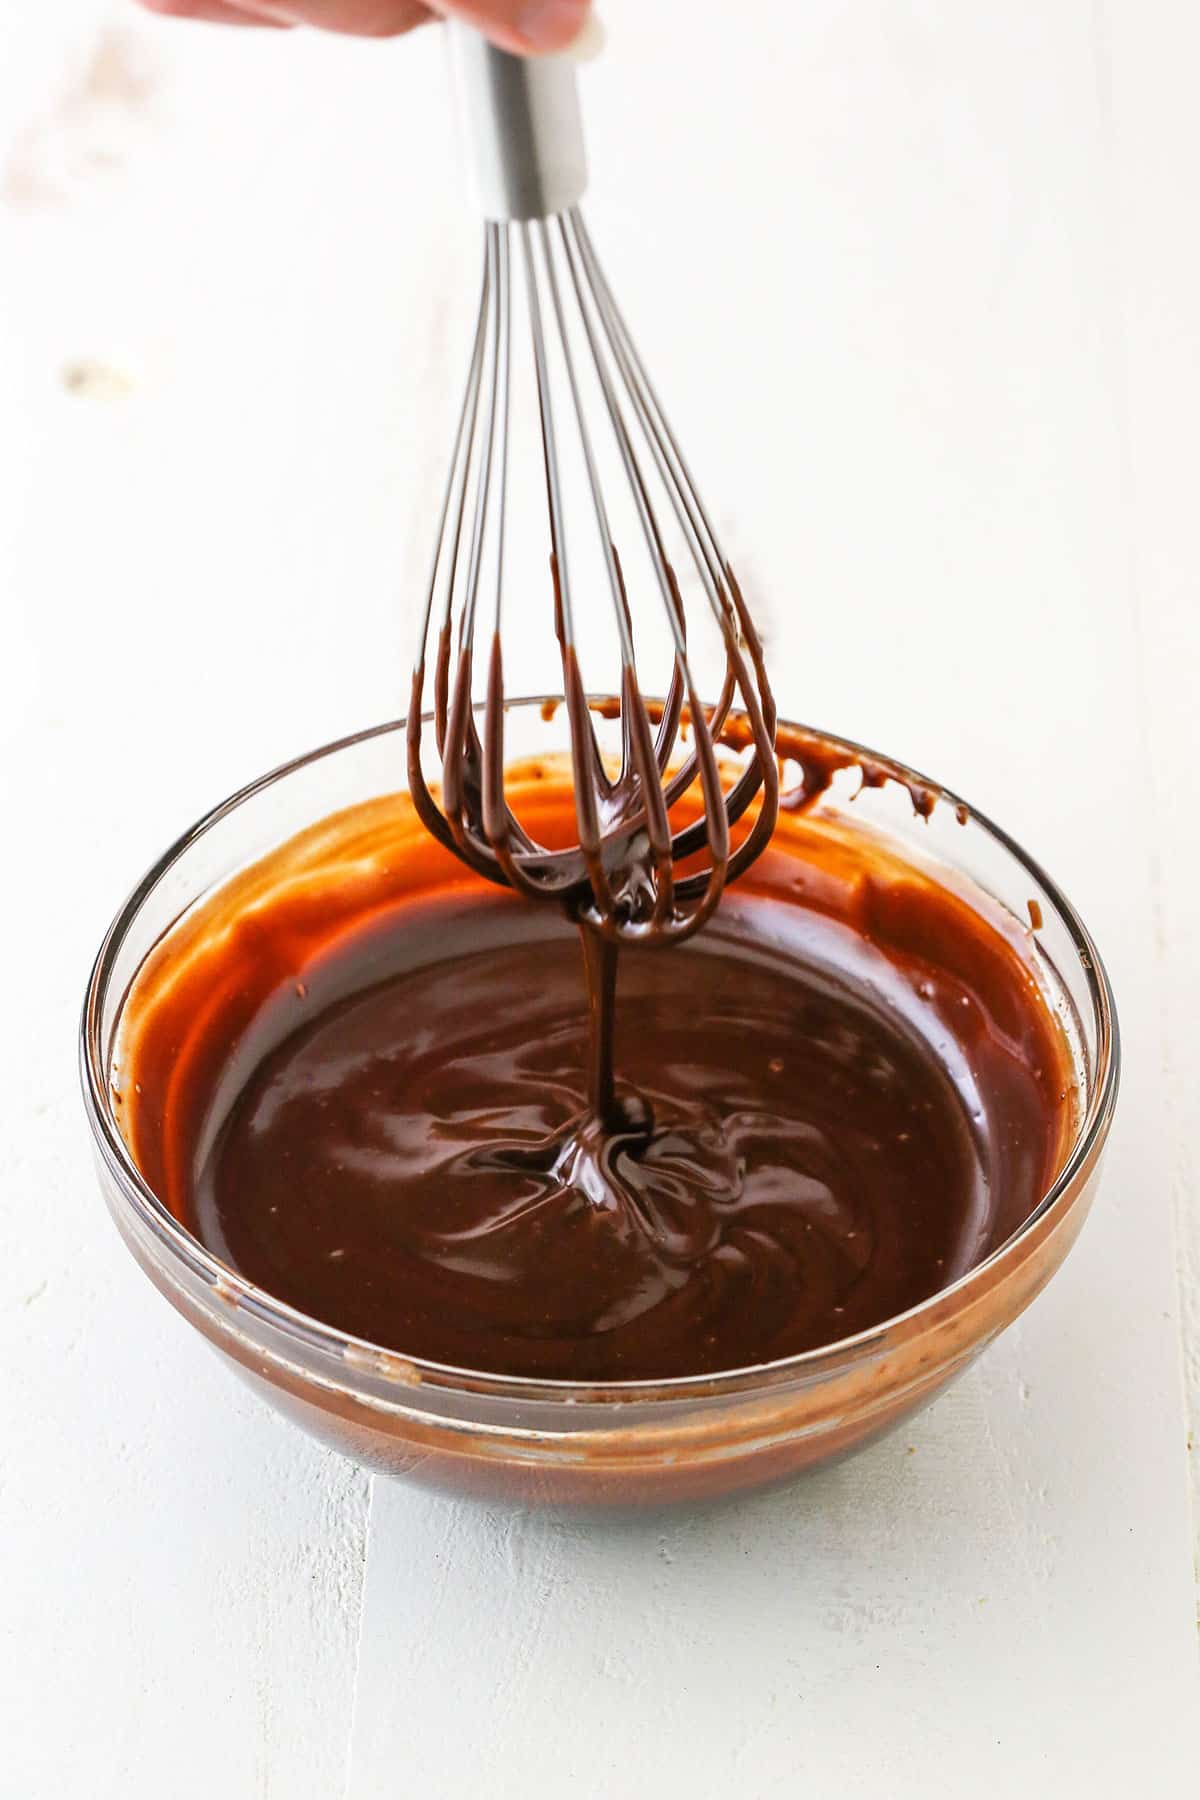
[(636, 1442)]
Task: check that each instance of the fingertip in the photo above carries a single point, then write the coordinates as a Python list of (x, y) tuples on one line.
[(548, 27), (590, 42)]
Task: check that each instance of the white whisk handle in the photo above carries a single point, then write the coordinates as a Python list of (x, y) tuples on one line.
[(525, 126)]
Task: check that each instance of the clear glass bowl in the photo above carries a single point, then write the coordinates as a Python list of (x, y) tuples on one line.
[(632, 1442)]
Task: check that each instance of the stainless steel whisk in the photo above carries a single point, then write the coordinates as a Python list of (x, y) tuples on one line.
[(621, 878)]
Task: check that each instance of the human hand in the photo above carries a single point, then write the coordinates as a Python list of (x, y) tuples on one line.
[(524, 26)]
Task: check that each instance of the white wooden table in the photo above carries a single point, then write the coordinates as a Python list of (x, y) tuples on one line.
[(922, 285)]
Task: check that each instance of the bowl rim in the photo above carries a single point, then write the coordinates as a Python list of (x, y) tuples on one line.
[(355, 1356)]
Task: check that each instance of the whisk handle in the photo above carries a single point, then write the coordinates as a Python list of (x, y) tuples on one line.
[(526, 131)]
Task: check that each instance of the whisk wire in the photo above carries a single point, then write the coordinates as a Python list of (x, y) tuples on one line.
[(638, 756), (458, 773), (703, 756)]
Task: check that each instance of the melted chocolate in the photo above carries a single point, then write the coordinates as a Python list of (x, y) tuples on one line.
[(364, 1081)]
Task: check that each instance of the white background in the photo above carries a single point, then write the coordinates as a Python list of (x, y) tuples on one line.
[(921, 283)]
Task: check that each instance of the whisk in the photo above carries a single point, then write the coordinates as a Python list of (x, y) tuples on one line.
[(622, 878)]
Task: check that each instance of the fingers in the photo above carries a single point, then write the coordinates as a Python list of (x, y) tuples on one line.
[(540, 26), (217, 12), (358, 18), (521, 25)]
